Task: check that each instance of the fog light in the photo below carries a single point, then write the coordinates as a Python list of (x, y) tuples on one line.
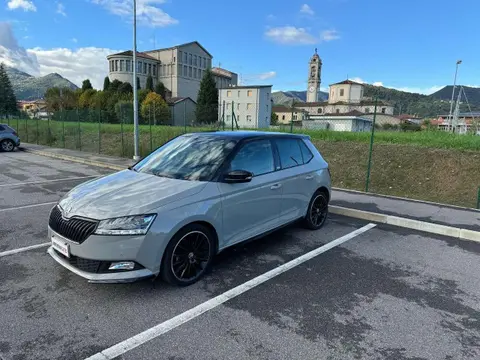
[(124, 265)]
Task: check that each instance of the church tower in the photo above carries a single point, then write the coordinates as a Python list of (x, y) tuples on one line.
[(314, 78)]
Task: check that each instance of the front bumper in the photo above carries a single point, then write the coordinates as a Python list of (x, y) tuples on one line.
[(114, 277)]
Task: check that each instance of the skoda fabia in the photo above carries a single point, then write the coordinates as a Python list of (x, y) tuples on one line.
[(198, 194)]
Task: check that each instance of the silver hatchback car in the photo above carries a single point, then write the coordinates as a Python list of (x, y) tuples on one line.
[(8, 138), (193, 197)]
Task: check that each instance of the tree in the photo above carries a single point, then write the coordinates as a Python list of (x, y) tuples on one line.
[(125, 88), (106, 83), (8, 101), (149, 85), (52, 99), (114, 85), (85, 98), (160, 89), (274, 119), (154, 107), (207, 100), (86, 85), (142, 94)]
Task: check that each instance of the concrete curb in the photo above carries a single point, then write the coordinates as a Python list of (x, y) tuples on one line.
[(75, 159), (462, 234)]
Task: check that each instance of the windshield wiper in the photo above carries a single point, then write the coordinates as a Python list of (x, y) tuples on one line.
[(165, 175)]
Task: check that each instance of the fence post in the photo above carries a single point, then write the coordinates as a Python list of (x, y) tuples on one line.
[(184, 114), (369, 167), (79, 132), (18, 128), (37, 131), (223, 115), (99, 131), (121, 130), (63, 128), (291, 122), (232, 114), (478, 198), (49, 133)]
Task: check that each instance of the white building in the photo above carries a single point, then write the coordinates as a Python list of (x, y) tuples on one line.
[(180, 68), (251, 105), (350, 123)]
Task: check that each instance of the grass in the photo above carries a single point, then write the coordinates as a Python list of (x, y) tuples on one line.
[(426, 165)]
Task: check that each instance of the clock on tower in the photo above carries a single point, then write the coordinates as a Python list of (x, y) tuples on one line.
[(314, 77)]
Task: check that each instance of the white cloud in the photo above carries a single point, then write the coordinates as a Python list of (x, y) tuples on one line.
[(74, 40), (75, 65), (61, 9), (305, 9), (329, 35), (14, 55), (271, 17), (418, 90), (290, 35), (148, 12), (267, 75), (378, 83), (26, 5)]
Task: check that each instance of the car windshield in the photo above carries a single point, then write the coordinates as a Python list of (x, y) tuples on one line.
[(194, 157)]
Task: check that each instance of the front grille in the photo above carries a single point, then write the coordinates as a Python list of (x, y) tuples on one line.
[(74, 229), (92, 266)]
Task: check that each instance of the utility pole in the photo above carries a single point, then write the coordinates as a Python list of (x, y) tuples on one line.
[(136, 156), (450, 120)]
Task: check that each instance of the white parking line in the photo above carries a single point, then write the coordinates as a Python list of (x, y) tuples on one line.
[(48, 181), (152, 333), (16, 251), (28, 206)]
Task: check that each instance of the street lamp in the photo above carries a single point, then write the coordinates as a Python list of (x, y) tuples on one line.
[(450, 120), (136, 156)]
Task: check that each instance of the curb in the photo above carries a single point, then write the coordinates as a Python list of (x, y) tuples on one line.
[(462, 234), (75, 159)]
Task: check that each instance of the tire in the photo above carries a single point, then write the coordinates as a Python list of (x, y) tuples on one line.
[(317, 212), (188, 255), (7, 145)]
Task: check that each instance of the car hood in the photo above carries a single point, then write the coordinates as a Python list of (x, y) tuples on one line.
[(125, 193)]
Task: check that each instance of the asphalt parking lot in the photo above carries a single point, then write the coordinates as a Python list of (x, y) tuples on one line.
[(387, 293)]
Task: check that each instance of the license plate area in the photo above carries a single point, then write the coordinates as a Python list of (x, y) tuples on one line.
[(61, 246)]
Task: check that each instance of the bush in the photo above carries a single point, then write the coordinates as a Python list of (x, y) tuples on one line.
[(156, 109)]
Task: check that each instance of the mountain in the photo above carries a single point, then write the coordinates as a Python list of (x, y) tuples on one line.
[(28, 87), (285, 97), (473, 94)]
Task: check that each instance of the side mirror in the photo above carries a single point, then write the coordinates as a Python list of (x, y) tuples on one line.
[(237, 176)]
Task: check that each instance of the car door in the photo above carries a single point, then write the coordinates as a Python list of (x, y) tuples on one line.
[(252, 208), (297, 177)]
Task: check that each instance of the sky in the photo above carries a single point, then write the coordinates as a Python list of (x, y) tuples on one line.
[(411, 45)]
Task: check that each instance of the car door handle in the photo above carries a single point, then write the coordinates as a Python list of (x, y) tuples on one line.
[(275, 186), (309, 177)]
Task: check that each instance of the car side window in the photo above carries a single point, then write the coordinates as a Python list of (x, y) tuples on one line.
[(289, 152), (2, 128), (306, 153), (255, 157)]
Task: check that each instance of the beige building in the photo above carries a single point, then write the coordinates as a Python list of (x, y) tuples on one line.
[(287, 114), (180, 68), (250, 105), (345, 97), (182, 111)]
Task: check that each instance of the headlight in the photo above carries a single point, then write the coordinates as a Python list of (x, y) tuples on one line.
[(129, 225)]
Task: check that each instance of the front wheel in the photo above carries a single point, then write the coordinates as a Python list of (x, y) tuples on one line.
[(317, 211), (7, 145), (188, 255)]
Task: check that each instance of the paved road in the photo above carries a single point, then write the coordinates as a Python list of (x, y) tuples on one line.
[(386, 294)]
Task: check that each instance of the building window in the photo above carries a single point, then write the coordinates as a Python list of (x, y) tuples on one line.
[(238, 106), (228, 106), (229, 118), (127, 65), (144, 68), (155, 70), (190, 71), (295, 116), (185, 70), (174, 59), (367, 110), (229, 93), (122, 65), (195, 73), (149, 69), (195, 60), (283, 117), (200, 72), (342, 92), (249, 118), (116, 65), (249, 93), (179, 56), (384, 110), (337, 111), (320, 110), (190, 59), (185, 58), (249, 106), (168, 70)]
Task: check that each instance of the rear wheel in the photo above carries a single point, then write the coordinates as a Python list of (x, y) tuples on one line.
[(7, 145), (188, 255), (317, 211)]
